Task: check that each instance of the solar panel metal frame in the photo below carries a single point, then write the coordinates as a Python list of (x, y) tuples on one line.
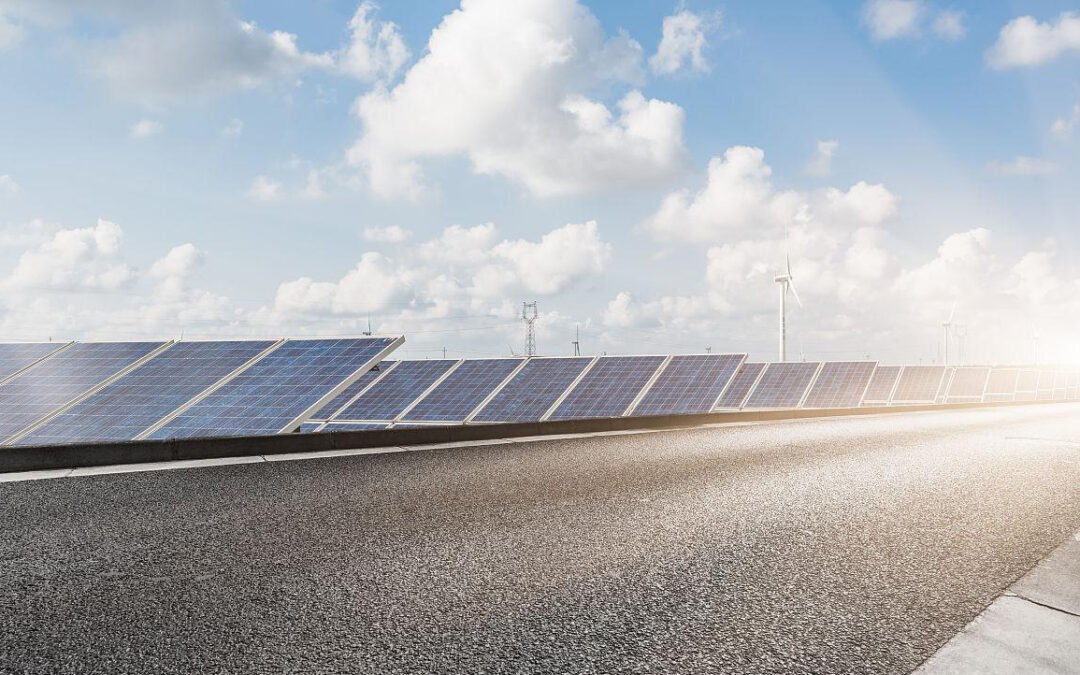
[(1026, 395), (340, 416), (632, 410), (1045, 393), (877, 402), (592, 366), (946, 382), (1074, 385), (802, 396), (821, 371), (352, 399), (520, 373), (917, 401), (60, 346), (293, 425), (950, 397), (403, 416), (164, 353), (1061, 385), (745, 396), (162, 346), (992, 395)]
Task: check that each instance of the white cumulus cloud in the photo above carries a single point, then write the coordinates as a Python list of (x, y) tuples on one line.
[(683, 41), (891, 19), (821, 163), (376, 50), (1025, 41), (391, 234), (83, 259)]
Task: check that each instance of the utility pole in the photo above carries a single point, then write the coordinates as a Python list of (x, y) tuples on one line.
[(529, 317), (577, 340), (444, 352)]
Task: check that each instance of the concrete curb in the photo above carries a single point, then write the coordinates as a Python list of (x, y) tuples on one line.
[(38, 458)]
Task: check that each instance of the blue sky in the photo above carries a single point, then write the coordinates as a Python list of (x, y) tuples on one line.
[(180, 167)]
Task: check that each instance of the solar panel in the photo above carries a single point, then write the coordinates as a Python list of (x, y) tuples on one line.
[(1061, 385), (38, 391), (1074, 385), (353, 426), (1001, 385), (282, 386), (135, 402), (609, 387), (968, 384), (396, 390), (879, 391), (14, 356), (353, 389), (533, 390), (840, 384), (1045, 391), (454, 399), (782, 385), (741, 385), (1027, 384), (918, 384), (944, 386), (689, 384)]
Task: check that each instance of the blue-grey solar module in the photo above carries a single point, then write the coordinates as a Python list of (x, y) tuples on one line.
[(353, 426), (919, 384), (396, 390), (278, 388), (1001, 385), (533, 390), (146, 395), (782, 385), (879, 391), (689, 384), (741, 385), (353, 389), (63, 377), (454, 399), (968, 384), (609, 387), (840, 384), (14, 356)]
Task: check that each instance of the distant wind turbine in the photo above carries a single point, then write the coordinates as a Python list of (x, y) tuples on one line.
[(786, 284), (945, 326)]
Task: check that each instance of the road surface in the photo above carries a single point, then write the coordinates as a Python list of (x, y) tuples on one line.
[(837, 545)]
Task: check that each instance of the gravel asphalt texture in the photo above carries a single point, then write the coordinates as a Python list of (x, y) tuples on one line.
[(836, 545)]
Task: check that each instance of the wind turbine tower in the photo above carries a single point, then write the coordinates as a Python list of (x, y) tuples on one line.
[(946, 326), (786, 284)]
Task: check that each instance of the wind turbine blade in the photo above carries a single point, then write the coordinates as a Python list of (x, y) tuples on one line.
[(791, 286)]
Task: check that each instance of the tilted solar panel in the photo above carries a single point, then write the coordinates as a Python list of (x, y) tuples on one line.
[(1027, 384), (918, 384), (968, 384), (1061, 385), (689, 384), (944, 386), (365, 381), (353, 426), (396, 390), (132, 404), (1045, 391), (879, 391), (840, 384), (14, 356), (740, 386), (1001, 385), (782, 385), (1074, 385), (456, 397), (281, 387), (609, 387), (533, 390), (62, 378)]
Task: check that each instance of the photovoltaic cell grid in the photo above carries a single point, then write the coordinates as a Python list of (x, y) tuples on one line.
[(1074, 385), (60, 379), (277, 389), (353, 426), (918, 384), (689, 384), (881, 385), (944, 387), (16, 356), (840, 384), (396, 390), (782, 385), (533, 390), (1061, 385), (457, 396), (968, 384), (135, 402), (609, 387), (1027, 384), (1045, 391), (740, 385), (1001, 385), (353, 389)]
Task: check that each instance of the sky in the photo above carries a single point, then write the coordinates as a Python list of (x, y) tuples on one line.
[(640, 170)]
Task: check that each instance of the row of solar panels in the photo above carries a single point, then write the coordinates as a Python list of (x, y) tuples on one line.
[(417, 393), (77, 392), (63, 393)]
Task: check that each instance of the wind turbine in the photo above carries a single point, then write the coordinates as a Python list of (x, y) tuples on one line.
[(786, 284), (945, 326)]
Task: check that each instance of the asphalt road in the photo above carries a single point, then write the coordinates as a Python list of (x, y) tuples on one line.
[(841, 545)]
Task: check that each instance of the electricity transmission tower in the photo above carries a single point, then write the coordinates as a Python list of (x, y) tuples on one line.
[(530, 326)]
